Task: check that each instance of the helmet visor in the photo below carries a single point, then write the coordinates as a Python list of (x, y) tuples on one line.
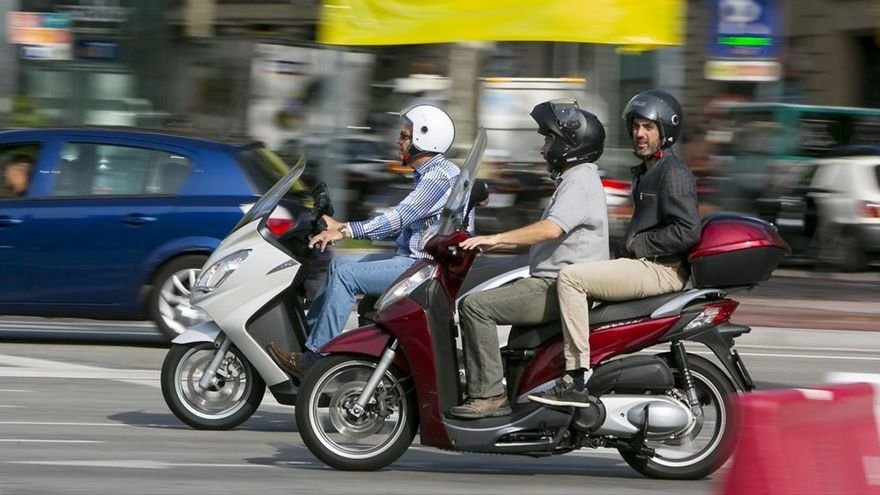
[(557, 117)]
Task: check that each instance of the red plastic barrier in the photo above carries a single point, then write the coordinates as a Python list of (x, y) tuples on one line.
[(798, 442)]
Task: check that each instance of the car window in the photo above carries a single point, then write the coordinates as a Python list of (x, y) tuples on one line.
[(876, 176), (362, 150), (806, 177), (168, 174), (17, 168), (102, 169), (824, 178), (264, 168)]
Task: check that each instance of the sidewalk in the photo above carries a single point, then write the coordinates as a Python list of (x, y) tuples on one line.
[(807, 313)]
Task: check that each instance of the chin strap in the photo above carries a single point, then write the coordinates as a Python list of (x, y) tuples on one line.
[(655, 155)]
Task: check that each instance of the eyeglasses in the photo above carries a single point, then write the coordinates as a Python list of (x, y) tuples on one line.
[(405, 137)]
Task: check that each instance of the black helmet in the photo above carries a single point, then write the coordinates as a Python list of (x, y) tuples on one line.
[(662, 108), (578, 135)]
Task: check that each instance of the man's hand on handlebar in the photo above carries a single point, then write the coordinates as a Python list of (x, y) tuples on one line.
[(325, 238), (480, 242), (332, 223)]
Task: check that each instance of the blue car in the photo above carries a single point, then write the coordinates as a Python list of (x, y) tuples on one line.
[(114, 223)]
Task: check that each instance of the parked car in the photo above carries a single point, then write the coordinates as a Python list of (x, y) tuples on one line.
[(116, 222), (829, 210)]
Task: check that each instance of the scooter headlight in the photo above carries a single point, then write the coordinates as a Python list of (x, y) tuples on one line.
[(403, 288), (217, 273)]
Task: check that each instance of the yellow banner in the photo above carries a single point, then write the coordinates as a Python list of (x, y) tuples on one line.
[(401, 22)]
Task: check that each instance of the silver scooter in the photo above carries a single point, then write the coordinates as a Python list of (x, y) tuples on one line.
[(216, 373)]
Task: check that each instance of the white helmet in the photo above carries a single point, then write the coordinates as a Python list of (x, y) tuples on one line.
[(433, 130)]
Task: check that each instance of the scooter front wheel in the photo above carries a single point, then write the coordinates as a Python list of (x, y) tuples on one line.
[(348, 441), (234, 395)]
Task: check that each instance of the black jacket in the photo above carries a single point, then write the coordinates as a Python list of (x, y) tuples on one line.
[(666, 220)]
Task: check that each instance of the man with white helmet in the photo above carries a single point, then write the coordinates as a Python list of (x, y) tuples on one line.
[(426, 134)]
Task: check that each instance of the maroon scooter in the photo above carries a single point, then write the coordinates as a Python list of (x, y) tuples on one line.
[(667, 411)]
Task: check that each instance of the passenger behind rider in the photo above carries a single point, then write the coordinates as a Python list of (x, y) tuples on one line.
[(572, 229), (652, 256), (426, 133)]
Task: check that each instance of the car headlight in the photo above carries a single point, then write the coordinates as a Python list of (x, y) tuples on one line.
[(403, 288), (217, 273)]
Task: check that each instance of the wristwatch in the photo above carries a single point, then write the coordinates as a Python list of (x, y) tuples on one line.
[(343, 229)]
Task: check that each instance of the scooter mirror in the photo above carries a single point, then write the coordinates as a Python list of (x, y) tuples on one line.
[(323, 206), (479, 193)]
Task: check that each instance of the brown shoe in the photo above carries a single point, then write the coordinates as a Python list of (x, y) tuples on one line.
[(287, 361), (483, 408)]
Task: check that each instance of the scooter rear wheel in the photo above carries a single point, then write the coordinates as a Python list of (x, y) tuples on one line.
[(705, 446), (234, 395), (343, 440)]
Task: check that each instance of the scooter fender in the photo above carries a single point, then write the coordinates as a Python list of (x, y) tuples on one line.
[(207, 331), (368, 340)]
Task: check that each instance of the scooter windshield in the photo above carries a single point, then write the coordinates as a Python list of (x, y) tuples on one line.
[(267, 203), (453, 215)]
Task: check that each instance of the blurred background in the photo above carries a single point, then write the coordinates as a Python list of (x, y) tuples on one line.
[(780, 98)]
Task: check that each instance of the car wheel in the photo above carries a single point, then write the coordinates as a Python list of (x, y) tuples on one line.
[(170, 307), (852, 257), (839, 250)]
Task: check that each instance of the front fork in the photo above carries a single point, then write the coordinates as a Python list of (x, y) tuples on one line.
[(367, 393), (222, 344), (680, 356)]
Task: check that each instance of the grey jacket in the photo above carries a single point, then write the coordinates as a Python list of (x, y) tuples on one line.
[(666, 220)]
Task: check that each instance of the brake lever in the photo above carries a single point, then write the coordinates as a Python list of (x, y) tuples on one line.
[(455, 251)]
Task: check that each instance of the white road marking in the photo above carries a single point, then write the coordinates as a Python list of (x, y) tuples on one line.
[(80, 332), (37, 440), (122, 375), (841, 377), (148, 464), (51, 423), (809, 356), (7, 406), (14, 323), (14, 391), (805, 349), (25, 367)]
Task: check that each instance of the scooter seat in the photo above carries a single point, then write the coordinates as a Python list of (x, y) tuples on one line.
[(607, 312), (530, 337)]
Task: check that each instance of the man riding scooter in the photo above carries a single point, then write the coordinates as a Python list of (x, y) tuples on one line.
[(572, 229), (426, 134), (652, 256)]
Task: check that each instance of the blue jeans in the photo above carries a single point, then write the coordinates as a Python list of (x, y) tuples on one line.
[(348, 276)]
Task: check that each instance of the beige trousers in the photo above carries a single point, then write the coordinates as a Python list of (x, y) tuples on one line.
[(614, 280)]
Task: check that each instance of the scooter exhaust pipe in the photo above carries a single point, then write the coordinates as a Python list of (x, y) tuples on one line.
[(657, 416)]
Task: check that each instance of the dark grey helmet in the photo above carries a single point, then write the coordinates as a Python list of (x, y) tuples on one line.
[(578, 136), (662, 108)]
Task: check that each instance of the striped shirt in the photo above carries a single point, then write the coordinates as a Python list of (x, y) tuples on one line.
[(411, 217)]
